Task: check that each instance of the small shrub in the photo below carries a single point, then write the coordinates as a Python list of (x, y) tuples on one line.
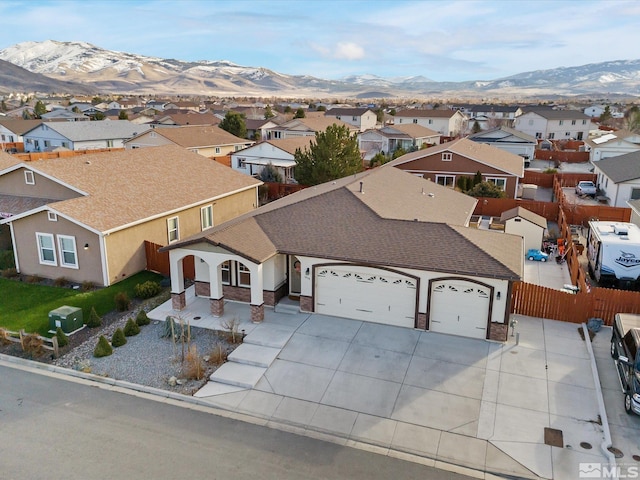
[(550, 171), (63, 341), (131, 328), (147, 289), (94, 319), (60, 282), (142, 319), (7, 260), (103, 349), (32, 343), (87, 286), (232, 325), (193, 367), (118, 339), (122, 301), (218, 356), (9, 272), (33, 279)]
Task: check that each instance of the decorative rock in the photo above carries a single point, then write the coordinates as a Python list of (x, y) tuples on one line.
[(180, 381), (206, 358), (173, 381)]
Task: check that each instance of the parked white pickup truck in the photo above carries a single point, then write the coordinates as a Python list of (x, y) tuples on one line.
[(586, 188), (625, 350)]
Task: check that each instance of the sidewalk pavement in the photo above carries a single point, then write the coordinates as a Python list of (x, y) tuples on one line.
[(445, 400)]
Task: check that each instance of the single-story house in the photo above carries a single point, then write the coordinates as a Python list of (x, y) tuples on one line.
[(612, 144), (381, 246), (447, 162), (208, 141), (388, 139), (13, 129), (87, 217), (278, 153), (618, 178), (530, 226), (509, 140)]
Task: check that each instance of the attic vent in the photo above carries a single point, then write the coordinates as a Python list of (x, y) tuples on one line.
[(87, 162), (621, 230)]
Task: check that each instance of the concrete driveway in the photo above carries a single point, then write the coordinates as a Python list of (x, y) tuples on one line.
[(448, 401)]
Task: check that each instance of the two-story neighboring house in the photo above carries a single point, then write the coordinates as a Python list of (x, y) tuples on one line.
[(278, 153), (509, 140), (86, 218), (446, 163), (492, 116), (306, 127), (612, 144), (80, 135), (618, 178), (554, 124), (208, 141), (449, 123), (361, 118), (388, 139)]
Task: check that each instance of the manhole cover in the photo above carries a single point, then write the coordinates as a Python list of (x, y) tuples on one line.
[(636, 458), (616, 453), (586, 445), (197, 318)]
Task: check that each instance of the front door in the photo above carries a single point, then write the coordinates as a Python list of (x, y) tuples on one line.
[(294, 277)]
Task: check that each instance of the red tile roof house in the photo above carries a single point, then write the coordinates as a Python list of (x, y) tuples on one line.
[(87, 218), (381, 246), (445, 163)]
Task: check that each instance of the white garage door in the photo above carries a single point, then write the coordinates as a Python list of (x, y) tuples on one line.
[(366, 294), (459, 308)]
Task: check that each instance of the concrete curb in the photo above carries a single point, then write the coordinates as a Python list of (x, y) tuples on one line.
[(606, 443)]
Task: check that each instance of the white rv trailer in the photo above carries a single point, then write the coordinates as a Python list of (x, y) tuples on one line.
[(613, 251)]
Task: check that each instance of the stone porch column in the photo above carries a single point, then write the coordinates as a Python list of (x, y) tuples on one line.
[(216, 306), (257, 313), (179, 300)]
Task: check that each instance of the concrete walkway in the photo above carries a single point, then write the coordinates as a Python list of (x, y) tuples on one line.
[(446, 400)]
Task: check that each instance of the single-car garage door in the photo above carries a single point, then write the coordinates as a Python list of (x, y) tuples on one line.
[(366, 294), (460, 308)]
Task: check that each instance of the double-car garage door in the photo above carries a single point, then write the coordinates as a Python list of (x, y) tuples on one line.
[(368, 294)]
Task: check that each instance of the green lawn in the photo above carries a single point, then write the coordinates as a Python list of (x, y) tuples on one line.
[(27, 306)]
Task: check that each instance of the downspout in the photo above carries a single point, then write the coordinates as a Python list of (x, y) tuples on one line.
[(103, 258), (15, 247)]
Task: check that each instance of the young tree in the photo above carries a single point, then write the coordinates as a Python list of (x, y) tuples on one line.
[(234, 123), (605, 116), (486, 189), (299, 113), (287, 109), (268, 112), (476, 127), (321, 108), (123, 115), (334, 154), (39, 109), (270, 174)]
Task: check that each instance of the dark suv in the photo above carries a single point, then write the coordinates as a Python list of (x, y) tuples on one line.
[(625, 350)]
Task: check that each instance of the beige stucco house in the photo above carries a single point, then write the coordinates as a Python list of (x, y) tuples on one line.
[(86, 218)]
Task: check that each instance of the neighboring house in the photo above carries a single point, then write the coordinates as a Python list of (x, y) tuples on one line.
[(530, 226), (618, 178), (305, 127), (208, 141), (554, 124), (612, 144), (21, 112), (449, 123), (87, 109), (159, 105), (12, 129), (80, 135), (361, 118), (594, 110), (492, 116), (509, 140), (64, 114), (635, 211), (388, 139), (259, 129), (279, 153), (86, 218), (184, 119), (446, 163), (381, 246)]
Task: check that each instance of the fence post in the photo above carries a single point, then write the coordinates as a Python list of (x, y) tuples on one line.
[(54, 343), (22, 334)]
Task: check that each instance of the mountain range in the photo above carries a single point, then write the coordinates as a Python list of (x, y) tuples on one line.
[(80, 67)]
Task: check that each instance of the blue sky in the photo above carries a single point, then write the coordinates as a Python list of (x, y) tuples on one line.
[(440, 40)]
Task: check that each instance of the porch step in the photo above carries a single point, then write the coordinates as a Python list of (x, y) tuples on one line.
[(285, 307), (257, 355), (238, 374)]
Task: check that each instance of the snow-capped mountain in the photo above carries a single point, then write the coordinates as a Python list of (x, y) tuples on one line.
[(118, 72)]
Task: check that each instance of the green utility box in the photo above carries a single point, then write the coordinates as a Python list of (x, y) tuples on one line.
[(67, 318)]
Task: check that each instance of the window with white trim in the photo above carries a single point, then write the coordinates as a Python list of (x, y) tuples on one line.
[(53, 217), (65, 144), (206, 217), (501, 183), (29, 177), (244, 275), (446, 180), (217, 149), (531, 121), (447, 156), (46, 249), (47, 143), (573, 122), (567, 134), (172, 228), (635, 194), (551, 135), (430, 121), (415, 120), (68, 252), (109, 143), (242, 163), (225, 268), (584, 122), (560, 122)]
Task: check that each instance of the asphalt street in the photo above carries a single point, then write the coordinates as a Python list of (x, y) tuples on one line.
[(52, 428)]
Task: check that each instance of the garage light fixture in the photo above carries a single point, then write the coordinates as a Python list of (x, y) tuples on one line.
[(306, 272), (498, 296), (86, 246)]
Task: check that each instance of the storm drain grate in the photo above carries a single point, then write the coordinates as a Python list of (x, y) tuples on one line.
[(553, 437)]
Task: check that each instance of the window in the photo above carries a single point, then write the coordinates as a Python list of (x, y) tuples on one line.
[(567, 134), (36, 143), (573, 122), (447, 156), (538, 134), (67, 246), (154, 134), (244, 276), (242, 163), (579, 137), (65, 144), (206, 217), (501, 183), (226, 273), (584, 122), (561, 122), (635, 193), (354, 119), (29, 141), (47, 143), (172, 227), (446, 180), (400, 120), (430, 122), (237, 147), (109, 143), (217, 149), (46, 250), (29, 178), (551, 135), (53, 217), (415, 120)]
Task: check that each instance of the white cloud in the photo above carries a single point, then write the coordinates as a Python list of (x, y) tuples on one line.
[(348, 51)]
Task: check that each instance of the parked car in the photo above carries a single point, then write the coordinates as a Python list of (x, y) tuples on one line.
[(586, 188), (537, 255), (625, 350)]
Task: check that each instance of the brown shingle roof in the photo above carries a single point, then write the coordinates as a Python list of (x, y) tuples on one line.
[(313, 124), (290, 145), (128, 186), (199, 136), (19, 126), (526, 214), (414, 130), (491, 156)]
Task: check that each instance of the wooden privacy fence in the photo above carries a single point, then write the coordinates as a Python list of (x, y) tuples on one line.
[(537, 301), (159, 261), (21, 337), (494, 207), (32, 156)]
